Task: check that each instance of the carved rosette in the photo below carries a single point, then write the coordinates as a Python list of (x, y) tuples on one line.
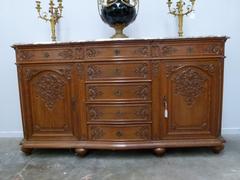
[(189, 84), (96, 132), (50, 88), (143, 133)]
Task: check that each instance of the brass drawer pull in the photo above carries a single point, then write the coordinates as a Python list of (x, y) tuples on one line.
[(119, 133), (118, 93)]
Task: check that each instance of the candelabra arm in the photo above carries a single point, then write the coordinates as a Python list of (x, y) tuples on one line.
[(43, 16)]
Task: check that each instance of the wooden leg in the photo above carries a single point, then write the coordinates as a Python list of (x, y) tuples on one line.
[(159, 151), (218, 149), (81, 152), (26, 151)]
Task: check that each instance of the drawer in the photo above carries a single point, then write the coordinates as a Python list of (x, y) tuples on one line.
[(117, 51), (119, 92), (186, 49), (116, 71), (119, 132), (118, 113), (50, 54)]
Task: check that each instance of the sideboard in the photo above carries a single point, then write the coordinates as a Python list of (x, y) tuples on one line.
[(122, 94)]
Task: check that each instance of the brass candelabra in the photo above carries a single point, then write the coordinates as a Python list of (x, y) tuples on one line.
[(55, 13), (180, 11)]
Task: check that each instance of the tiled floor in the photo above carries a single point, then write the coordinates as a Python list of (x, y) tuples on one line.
[(178, 164)]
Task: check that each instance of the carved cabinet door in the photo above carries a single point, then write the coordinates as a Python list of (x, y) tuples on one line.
[(47, 92), (191, 99)]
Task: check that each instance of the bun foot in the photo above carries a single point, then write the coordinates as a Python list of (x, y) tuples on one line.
[(26, 151), (218, 149), (81, 152), (159, 151)]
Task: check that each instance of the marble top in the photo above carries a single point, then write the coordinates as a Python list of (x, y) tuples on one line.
[(115, 39)]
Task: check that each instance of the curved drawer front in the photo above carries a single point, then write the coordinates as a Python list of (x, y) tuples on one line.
[(119, 92), (119, 132), (118, 113), (50, 54), (115, 71), (117, 51)]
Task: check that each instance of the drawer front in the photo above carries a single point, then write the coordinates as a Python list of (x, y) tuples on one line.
[(50, 54), (115, 71), (119, 92), (119, 132), (118, 113), (117, 51), (177, 50)]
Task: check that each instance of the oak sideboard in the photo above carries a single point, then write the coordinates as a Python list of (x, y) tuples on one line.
[(122, 94)]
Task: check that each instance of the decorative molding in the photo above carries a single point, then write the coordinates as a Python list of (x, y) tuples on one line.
[(143, 133), (93, 92), (80, 70), (189, 84), (142, 70), (96, 132), (155, 68), (93, 71), (50, 88)]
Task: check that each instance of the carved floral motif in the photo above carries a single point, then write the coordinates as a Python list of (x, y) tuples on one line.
[(142, 70), (94, 113), (168, 50), (93, 92), (189, 84), (96, 132), (143, 133), (50, 88), (214, 49), (91, 52), (142, 92), (142, 51), (66, 54), (142, 113), (25, 55), (155, 68), (93, 71)]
